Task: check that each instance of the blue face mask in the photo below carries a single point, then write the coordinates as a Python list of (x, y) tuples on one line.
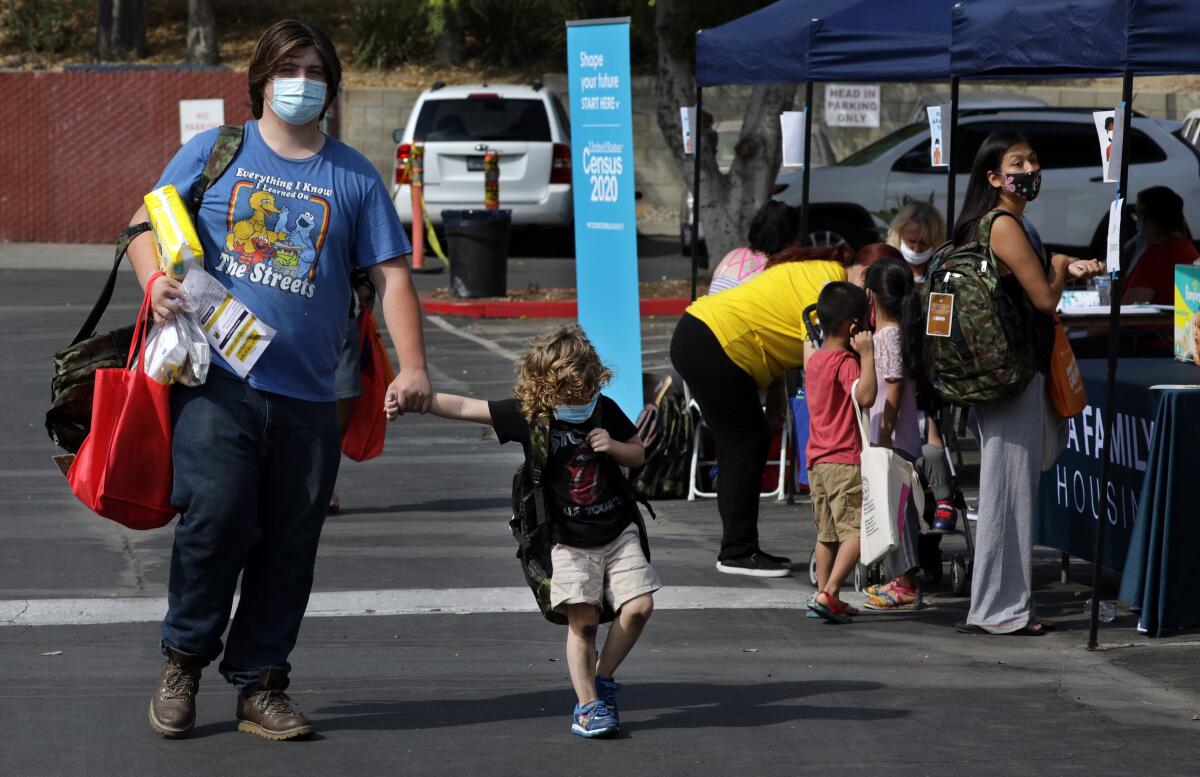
[(298, 100), (576, 414)]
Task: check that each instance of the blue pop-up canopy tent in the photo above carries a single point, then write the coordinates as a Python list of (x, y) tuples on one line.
[(1076, 38), (996, 39), (795, 41)]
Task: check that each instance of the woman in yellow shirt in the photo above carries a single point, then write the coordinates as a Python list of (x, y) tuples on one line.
[(728, 347)]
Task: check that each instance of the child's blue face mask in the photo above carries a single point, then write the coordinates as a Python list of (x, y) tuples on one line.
[(576, 414)]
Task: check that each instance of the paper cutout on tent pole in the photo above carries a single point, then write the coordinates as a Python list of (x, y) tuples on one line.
[(791, 125), (1105, 122), (939, 137), (687, 125), (1113, 243)]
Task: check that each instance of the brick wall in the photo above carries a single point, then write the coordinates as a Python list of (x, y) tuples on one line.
[(79, 150)]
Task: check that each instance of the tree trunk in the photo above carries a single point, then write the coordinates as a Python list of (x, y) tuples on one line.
[(104, 30), (449, 49), (728, 201), (128, 29), (202, 45)]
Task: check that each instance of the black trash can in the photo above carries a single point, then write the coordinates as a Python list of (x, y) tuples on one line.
[(478, 245)]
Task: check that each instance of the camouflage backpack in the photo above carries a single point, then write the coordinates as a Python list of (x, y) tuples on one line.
[(668, 451), (531, 522), (979, 340), (70, 414)]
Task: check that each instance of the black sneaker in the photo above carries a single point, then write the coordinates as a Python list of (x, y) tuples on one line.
[(777, 559), (757, 565)]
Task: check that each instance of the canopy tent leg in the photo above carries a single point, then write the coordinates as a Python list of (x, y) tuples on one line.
[(696, 135), (952, 178), (808, 102), (1110, 392)]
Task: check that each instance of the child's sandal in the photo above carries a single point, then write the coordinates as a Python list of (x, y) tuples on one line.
[(833, 611), (894, 596)]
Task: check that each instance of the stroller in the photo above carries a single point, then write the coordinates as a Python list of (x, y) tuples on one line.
[(929, 548)]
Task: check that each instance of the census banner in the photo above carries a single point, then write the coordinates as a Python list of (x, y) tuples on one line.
[(605, 218)]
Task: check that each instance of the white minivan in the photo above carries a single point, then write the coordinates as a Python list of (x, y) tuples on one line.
[(849, 200), (525, 125)]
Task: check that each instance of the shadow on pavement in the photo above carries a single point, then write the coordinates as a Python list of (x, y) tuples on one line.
[(434, 506), (682, 705)]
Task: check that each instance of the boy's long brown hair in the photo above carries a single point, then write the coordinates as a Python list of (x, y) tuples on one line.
[(559, 367), (282, 40)]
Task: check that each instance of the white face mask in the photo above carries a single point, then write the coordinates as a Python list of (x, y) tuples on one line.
[(915, 257)]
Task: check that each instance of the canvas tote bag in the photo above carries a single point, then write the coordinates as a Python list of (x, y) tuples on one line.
[(888, 483)]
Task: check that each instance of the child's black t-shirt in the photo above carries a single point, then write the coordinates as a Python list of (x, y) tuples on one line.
[(588, 509)]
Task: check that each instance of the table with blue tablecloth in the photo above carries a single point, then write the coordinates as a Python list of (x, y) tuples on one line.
[(1153, 533)]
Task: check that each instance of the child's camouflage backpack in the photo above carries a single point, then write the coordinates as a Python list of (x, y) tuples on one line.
[(979, 341), (531, 523)]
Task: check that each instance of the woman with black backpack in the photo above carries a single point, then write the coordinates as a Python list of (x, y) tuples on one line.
[(1005, 178)]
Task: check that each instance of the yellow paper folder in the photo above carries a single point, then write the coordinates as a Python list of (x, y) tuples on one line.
[(174, 233)]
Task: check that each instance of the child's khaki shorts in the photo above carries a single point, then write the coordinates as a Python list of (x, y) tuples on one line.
[(617, 573), (836, 491)]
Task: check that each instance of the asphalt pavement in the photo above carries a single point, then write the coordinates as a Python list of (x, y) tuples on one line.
[(420, 655)]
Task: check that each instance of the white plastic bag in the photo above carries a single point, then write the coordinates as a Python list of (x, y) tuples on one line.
[(177, 350), (888, 483)]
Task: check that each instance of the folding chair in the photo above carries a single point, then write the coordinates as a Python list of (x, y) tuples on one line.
[(695, 487)]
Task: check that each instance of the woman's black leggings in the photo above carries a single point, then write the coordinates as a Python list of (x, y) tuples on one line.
[(728, 398)]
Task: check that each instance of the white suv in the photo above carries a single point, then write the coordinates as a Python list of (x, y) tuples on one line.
[(525, 125), (847, 199)]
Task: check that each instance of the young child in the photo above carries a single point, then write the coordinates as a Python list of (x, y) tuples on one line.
[(834, 446), (894, 422), (598, 553)]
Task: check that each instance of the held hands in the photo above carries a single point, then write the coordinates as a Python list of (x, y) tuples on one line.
[(410, 392), (166, 297)]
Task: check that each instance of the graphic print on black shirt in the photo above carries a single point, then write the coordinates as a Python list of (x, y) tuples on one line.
[(588, 509)]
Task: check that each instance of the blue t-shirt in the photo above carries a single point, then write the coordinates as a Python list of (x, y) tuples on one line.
[(283, 235)]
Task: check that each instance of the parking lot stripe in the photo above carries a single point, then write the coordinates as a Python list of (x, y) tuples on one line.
[(490, 345), (417, 601)]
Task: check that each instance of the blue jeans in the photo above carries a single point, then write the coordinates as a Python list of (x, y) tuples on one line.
[(253, 475)]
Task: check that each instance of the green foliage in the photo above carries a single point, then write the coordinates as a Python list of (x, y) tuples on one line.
[(512, 33), (389, 32), (695, 15), (44, 26)]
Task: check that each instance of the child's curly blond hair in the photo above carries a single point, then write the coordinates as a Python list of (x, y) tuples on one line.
[(560, 367)]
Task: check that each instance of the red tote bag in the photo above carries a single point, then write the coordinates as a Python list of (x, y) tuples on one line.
[(367, 427), (123, 469)]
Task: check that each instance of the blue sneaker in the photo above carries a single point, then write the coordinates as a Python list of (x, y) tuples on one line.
[(606, 689), (593, 720)]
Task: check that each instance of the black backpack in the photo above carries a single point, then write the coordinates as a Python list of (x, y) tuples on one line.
[(531, 523)]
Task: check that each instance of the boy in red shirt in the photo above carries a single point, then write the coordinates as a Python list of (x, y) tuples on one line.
[(834, 446)]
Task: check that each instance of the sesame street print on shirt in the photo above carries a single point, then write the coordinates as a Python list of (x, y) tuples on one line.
[(276, 231), (283, 236)]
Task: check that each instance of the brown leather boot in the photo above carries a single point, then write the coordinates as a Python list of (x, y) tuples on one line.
[(173, 705), (269, 712)]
